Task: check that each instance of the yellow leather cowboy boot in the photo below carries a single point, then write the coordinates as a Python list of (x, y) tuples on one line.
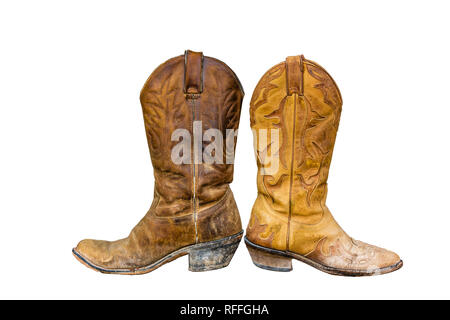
[(294, 114), (187, 102)]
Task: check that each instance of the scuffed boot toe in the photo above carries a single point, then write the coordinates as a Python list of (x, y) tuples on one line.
[(94, 254), (378, 260)]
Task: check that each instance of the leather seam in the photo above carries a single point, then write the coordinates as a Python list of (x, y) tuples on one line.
[(295, 95)]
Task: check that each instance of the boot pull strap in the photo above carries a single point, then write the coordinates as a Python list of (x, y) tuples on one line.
[(294, 75), (193, 72)]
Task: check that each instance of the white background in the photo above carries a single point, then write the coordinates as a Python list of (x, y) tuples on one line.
[(74, 161)]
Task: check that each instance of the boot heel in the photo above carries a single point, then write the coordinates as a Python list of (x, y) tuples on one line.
[(213, 255), (269, 261)]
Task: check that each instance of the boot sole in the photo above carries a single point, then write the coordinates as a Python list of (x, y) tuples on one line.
[(204, 256), (276, 260)]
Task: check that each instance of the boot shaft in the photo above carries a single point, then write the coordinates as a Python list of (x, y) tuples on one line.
[(187, 102), (294, 112)]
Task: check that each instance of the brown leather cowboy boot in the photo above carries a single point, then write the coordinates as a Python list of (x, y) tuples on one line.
[(187, 101), (294, 114)]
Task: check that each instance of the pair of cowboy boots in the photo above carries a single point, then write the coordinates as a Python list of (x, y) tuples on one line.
[(191, 106)]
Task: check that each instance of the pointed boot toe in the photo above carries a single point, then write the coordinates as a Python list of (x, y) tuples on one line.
[(390, 261), (93, 254), (381, 260)]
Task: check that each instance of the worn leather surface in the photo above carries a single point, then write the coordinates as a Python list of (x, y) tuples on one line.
[(193, 202), (300, 99)]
